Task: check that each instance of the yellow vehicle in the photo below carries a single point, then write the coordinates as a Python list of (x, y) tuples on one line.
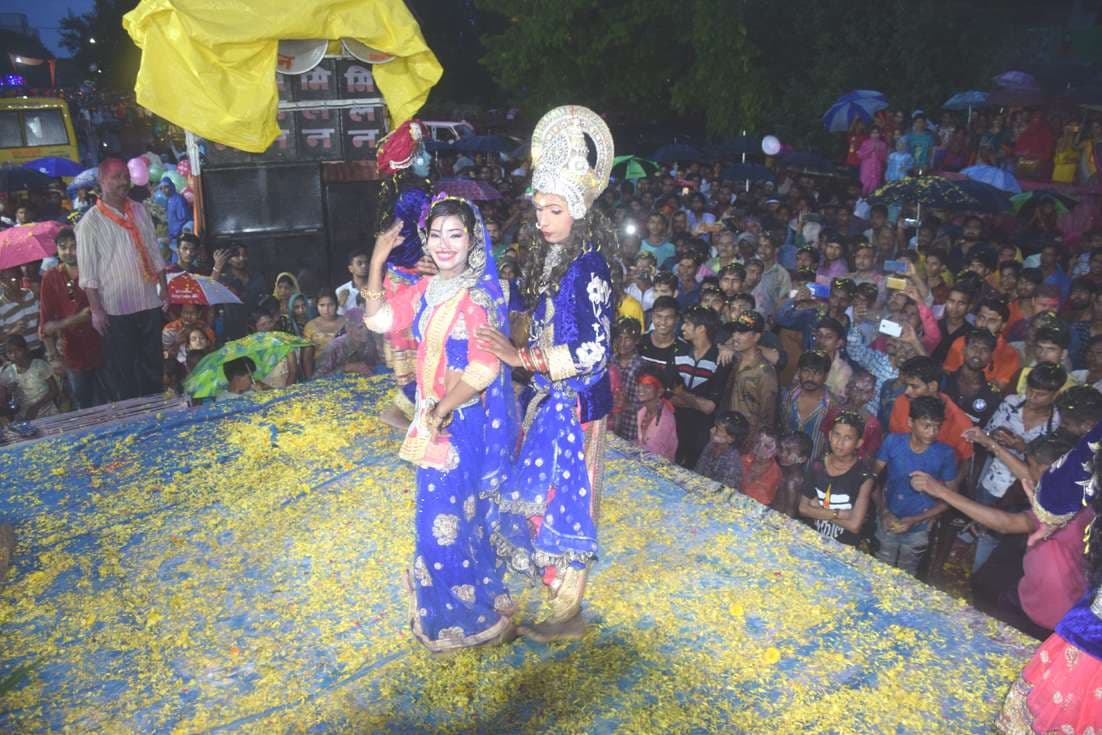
[(34, 127)]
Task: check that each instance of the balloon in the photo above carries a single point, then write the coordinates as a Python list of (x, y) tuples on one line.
[(160, 198), (177, 180), (153, 159), (189, 195), (770, 145), (156, 173), (139, 171), (184, 167)]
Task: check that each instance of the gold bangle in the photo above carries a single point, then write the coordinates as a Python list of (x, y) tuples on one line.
[(372, 295)]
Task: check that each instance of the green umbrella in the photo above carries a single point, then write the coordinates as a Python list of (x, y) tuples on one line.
[(1029, 199), (265, 349), (633, 167)]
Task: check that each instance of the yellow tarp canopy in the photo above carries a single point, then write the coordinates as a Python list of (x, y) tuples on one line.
[(209, 65)]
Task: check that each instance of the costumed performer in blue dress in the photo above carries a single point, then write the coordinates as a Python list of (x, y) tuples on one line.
[(1060, 689), (464, 428), (548, 523), (404, 162)]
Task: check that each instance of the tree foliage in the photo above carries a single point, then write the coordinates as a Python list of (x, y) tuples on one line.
[(747, 64), (113, 53)]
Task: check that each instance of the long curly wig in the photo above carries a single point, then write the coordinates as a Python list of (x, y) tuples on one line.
[(1094, 531), (593, 232)]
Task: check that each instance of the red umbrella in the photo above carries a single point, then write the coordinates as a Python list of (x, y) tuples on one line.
[(27, 243), (188, 288)]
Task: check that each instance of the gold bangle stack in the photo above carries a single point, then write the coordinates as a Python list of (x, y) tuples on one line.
[(370, 295)]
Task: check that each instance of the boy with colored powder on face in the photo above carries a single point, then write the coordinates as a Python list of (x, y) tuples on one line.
[(794, 452)]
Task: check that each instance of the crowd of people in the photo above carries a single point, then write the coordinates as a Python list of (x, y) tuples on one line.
[(1054, 146), (897, 385)]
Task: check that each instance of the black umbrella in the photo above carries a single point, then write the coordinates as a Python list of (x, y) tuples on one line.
[(742, 145), (485, 144), (806, 161), (992, 200), (14, 178), (679, 152), (747, 172), (932, 191)]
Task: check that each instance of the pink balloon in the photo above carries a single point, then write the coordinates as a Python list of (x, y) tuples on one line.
[(184, 167), (189, 195), (139, 171)]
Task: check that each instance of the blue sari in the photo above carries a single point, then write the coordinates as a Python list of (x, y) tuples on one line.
[(458, 598)]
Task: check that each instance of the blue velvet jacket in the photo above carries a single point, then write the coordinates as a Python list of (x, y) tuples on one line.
[(574, 330)]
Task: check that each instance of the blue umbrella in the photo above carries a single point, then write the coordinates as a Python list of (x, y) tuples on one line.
[(86, 179), (1017, 80), (54, 167), (747, 172), (966, 100), (14, 178), (999, 178), (679, 152), (862, 94), (839, 118)]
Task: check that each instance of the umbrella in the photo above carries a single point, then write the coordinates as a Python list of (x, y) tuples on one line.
[(484, 144), (28, 243), (473, 189), (933, 191), (995, 176), (14, 178), (1028, 200), (679, 152), (992, 200), (860, 104), (86, 179), (805, 161), (1018, 97), (1016, 80), (265, 349), (54, 166), (747, 172), (742, 145), (633, 167), (187, 288), (966, 100)]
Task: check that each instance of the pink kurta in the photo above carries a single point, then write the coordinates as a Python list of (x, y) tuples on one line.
[(660, 438), (873, 155)]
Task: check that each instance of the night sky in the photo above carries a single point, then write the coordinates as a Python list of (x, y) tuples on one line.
[(45, 16)]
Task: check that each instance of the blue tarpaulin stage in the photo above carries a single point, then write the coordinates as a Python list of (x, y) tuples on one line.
[(236, 569)]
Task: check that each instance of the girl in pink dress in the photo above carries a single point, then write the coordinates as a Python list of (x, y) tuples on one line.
[(872, 154)]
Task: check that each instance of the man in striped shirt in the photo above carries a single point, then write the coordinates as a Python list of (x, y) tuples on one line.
[(121, 270), (18, 310), (700, 383)]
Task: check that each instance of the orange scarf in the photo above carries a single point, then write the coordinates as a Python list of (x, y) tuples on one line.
[(127, 223)]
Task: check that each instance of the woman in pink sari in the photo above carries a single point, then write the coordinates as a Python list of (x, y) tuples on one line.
[(873, 154)]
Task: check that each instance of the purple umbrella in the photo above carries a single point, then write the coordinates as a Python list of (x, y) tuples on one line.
[(1016, 80), (473, 189)]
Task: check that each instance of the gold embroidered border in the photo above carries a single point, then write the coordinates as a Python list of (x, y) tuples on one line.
[(382, 320), (479, 376), (1048, 517), (560, 362)]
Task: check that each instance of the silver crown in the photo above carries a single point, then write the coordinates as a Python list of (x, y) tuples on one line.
[(560, 156)]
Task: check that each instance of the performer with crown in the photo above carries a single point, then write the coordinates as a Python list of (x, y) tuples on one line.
[(404, 162), (548, 522), (464, 429), (1060, 689)]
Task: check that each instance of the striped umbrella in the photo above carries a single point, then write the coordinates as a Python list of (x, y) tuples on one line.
[(859, 104), (995, 176)]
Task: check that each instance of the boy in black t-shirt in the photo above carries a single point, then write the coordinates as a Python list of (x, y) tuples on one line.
[(658, 347)]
